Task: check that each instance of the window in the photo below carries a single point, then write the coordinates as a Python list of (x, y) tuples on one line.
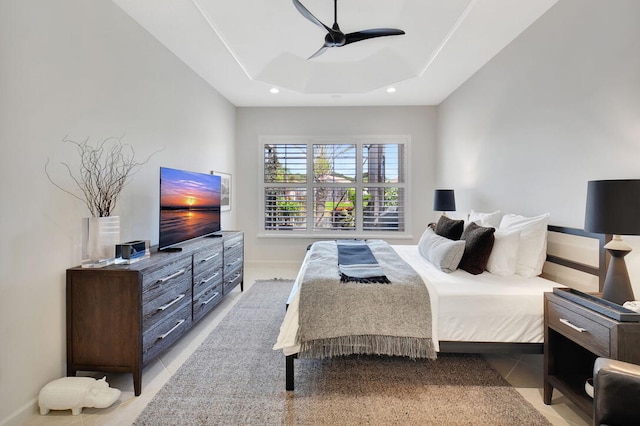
[(352, 185)]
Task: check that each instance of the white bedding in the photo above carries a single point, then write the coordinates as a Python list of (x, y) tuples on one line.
[(465, 307)]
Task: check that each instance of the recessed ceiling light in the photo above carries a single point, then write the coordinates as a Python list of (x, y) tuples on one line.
[(391, 90), (274, 90)]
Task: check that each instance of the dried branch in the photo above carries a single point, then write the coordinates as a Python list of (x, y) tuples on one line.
[(103, 173)]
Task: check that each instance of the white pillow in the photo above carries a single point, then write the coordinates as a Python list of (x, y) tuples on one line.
[(532, 250), (504, 255), (442, 252), (486, 219)]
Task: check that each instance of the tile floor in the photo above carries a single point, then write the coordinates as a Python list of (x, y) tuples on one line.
[(524, 372)]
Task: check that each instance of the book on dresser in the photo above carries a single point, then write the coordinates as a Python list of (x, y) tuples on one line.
[(122, 316)]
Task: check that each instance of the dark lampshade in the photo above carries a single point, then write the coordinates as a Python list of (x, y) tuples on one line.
[(613, 207), (444, 200)]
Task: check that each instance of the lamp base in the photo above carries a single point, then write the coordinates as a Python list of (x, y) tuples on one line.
[(617, 286)]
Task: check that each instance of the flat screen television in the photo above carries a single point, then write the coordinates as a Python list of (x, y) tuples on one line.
[(189, 206)]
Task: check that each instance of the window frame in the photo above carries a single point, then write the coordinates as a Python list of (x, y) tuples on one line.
[(360, 141)]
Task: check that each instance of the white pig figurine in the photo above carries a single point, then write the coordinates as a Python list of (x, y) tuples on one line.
[(74, 393)]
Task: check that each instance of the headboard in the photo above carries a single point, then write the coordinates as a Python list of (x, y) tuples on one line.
[(571, 250)]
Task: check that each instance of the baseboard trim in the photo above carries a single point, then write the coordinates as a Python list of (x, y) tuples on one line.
[(22, 414)]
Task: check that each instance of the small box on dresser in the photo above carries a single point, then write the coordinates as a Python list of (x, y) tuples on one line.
[(122, 316), (574, 336)]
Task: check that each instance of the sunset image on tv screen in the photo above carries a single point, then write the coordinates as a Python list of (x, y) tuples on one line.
[(189, 205)]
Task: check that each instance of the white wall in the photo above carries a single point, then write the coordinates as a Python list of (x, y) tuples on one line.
[(419, 122), (557, 107), (82, 68)]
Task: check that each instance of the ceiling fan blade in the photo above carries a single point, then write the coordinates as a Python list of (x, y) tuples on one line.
[(305, 12), (318, 52), (372, 33), (335, 37)]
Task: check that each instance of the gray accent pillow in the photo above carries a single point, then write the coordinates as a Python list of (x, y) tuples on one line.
[(442, 252)]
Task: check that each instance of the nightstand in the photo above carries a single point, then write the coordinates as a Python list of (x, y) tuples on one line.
[(574, 336)]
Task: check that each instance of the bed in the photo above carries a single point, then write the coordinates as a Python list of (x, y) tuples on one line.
[(483, 313)]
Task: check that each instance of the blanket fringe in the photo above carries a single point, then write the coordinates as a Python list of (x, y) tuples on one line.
[(368, 280), (411, 347)]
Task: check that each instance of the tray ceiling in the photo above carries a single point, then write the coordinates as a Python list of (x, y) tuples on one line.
[(245, 48)]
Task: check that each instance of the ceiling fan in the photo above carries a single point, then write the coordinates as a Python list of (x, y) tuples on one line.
[(335, 37)]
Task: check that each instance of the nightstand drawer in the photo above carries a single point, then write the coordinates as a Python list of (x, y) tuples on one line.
[(581, 329)]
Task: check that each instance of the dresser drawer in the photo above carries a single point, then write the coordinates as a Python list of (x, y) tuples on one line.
[(207, 278), (232, 279), (170, 275), (163, 306), (232, 264), (165, 332), (233, 241), (207, 259), (165, 291), (233, 248), (207, 300), (580, 328)]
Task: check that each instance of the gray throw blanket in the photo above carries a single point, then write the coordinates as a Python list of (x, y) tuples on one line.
[(337, 319)]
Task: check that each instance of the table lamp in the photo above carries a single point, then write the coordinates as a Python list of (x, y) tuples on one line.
[(444, 200), (613, 207)]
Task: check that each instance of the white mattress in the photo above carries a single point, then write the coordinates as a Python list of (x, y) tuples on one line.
[(465, 307)]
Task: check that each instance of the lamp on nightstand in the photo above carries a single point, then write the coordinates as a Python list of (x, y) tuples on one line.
[(444, 200), (613, 207)]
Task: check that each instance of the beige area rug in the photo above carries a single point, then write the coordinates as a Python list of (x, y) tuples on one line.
[(235, 378)]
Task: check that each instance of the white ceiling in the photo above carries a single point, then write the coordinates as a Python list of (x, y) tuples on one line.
[(245, 48)]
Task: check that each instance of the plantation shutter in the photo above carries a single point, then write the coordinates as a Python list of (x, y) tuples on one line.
[(354, 186)]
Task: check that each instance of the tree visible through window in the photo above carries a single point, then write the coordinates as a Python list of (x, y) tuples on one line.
[(354, 185)]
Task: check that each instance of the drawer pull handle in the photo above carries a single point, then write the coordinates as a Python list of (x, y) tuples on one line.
[(210, 278), (234, 262), (162, 308), (164, 336), (206, 259), (234, 277), (233, 246), (176, 274), (216, 294), (575, 327)]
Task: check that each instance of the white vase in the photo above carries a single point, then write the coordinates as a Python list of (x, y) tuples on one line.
[(102, 236)]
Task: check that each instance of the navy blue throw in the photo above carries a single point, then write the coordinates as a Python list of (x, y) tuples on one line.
[(357, 263)]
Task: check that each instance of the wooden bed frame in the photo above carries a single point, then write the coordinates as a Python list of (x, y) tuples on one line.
[(510, 348)]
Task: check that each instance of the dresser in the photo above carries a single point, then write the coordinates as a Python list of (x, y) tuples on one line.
[(122, 316), (574, 336)]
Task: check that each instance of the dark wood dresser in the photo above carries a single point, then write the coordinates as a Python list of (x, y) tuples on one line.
[(574, 336), (122, 316)]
